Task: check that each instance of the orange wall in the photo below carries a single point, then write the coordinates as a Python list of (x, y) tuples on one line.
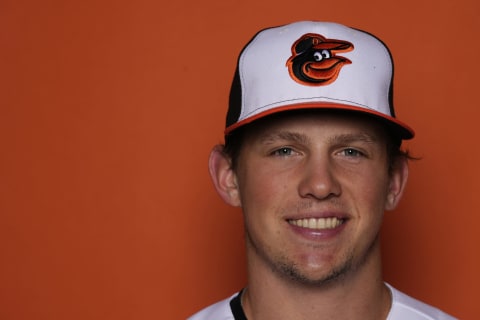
[(108, 110)]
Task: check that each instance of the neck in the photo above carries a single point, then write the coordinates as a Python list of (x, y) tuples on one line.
[(358, 294)]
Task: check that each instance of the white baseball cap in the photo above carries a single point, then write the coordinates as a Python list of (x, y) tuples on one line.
[(313, 65)]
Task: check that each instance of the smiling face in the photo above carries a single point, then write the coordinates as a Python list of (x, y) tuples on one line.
[(314, 59), (313, 188)]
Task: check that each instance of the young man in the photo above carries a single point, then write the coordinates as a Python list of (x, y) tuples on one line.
[(312, 156)]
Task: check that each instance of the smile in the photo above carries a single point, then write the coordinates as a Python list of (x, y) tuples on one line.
[(317, 223)]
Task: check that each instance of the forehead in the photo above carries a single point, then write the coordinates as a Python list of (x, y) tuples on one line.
[(318, 123)]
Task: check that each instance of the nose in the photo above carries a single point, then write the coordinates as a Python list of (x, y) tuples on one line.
[(318, 179)]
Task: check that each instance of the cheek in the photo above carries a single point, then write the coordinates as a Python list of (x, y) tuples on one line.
[(368, 190), (264, 194), (260, 190), (373, 196)]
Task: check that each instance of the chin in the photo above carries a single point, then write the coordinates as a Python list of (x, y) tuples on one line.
[(315, 276)]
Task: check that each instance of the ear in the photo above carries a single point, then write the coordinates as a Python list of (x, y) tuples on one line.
[(398, 181), (223, 176)]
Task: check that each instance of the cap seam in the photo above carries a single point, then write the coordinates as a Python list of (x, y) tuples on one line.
[(285, 103)]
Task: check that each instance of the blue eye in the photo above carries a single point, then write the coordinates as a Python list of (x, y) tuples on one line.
[(352, 152), (283, 152)]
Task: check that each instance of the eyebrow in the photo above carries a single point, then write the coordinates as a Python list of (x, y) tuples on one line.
[(302, 138), (284, 135), (353, 137)]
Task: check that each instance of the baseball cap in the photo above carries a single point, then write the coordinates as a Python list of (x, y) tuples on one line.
[(313, 65)]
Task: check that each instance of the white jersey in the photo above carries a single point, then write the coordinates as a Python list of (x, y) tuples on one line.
[(403, 308)]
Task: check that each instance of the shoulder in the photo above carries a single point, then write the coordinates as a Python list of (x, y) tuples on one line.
[(218, 311), (406, 307)]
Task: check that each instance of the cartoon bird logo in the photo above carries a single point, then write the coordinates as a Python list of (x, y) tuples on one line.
[(314, 61)]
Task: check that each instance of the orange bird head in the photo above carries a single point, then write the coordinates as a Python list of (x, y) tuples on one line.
[(314, 61)]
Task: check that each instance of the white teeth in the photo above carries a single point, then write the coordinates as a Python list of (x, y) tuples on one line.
[(320, 223)]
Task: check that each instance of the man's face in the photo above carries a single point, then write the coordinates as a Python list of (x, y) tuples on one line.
[(313, 188)]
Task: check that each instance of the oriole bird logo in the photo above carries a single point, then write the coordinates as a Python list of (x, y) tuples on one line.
[(314, 61)]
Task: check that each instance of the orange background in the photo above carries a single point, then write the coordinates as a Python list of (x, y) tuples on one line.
[(109, 110)]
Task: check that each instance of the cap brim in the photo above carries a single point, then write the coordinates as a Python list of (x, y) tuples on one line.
[(399, 128)]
